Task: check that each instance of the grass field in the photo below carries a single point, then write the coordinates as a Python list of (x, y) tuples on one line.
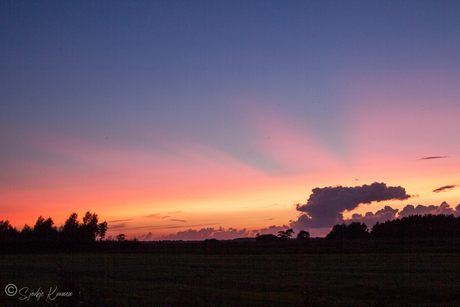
[(241, 280)]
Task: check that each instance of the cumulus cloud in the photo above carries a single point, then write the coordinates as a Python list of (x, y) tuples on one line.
[(389, 213), (325, 206), (411, 210), (370, 219), (443, 208), (445, 188)]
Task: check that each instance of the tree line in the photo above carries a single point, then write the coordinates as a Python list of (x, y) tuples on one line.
[(74, 235), (88, 234), (410, 227)]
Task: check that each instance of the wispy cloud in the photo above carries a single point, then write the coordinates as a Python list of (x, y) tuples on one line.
[(434, 157), (160, 227), (176, 220), (117, 226), (117, 221), (445, 188), (156, 216)]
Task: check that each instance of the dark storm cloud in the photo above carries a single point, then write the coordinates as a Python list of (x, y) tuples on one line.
[(434, 157), (445, 188), (325, 206)]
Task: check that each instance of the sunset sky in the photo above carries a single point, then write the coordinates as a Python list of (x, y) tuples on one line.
[(167, 118)]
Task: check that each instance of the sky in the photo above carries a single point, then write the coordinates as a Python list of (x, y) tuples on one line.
[(196, 119)]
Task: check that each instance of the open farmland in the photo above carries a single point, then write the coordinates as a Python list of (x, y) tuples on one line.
[(428, 279)]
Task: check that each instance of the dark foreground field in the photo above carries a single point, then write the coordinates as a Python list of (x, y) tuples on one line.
[(425, 279)]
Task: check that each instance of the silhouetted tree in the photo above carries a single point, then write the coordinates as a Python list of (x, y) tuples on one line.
[(7, 232), (26, 237), (102, 229), (418, 226), (44, 229), (337, 232), (76, 234), (355, 230), (26, 230), (70, 229), (90, 227), (285, 234), (121, 237), (45, 235), (5, 226), (303, 235), (8, 236), (72, 235)]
